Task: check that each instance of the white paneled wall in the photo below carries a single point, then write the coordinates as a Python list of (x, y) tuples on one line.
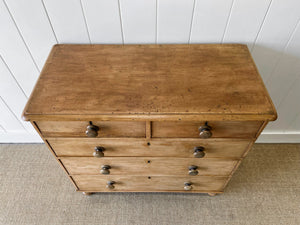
[(29, 28)]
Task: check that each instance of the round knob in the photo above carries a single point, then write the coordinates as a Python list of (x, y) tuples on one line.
[(99, 152), (205, 131), (193, 170), (110, 184), (199, 152), (105, 169), (188, 186), (92, 130)]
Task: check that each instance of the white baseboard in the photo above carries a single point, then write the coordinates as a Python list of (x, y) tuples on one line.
[(265, 137)]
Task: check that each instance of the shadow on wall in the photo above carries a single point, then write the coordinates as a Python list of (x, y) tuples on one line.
[(280, 72)]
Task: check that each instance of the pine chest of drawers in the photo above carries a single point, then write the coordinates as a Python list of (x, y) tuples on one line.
[(149, 118)]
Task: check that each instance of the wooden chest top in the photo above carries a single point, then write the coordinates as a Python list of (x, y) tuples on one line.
[(182, 82)]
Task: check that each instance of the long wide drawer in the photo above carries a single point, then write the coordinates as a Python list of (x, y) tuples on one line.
[(148, 166), (98, 183), (79, 128), (219, 129), (232, 148)]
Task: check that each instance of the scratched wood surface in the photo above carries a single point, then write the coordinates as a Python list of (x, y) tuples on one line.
[(206, 79), (97, 183), (157, 166), (172, 147)]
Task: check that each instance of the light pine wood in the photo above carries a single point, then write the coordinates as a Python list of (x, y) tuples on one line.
[(220, 129), (148, 129), (150, 79), (212, 194), (151, 117), (149, 102), (144, 184), (116, 147), (148, 165), (106, 128)]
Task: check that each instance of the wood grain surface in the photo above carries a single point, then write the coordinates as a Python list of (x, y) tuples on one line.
[(106, 128), (97, 183), (220, 129), (116, 147), (148, 165), (207, 79)]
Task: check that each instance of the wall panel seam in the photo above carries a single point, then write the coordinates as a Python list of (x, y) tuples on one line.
[(12, 75), (261, 25), (156, 22), (85, 21), (121, 22), (227, 22), (13, 113), (1, 127), (19, 32), (49, 21), (283, 53), (192, 20)]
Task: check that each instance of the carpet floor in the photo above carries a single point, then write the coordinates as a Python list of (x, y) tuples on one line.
[(264, 190)]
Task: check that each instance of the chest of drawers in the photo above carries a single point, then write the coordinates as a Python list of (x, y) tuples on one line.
[(149, 118)]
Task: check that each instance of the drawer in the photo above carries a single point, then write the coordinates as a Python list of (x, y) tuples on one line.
[(232, 148), (98, 183), (219, 129), (148, 166), (79, 128)]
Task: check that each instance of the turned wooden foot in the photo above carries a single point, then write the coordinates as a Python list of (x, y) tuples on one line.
[(87, 193), (212, 194)]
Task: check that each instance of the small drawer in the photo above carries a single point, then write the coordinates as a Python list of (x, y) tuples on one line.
[(96, 183), (117, 147), (80, 128), (148, 166), (218, 129)]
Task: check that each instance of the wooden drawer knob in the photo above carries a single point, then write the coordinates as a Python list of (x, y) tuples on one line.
[(105, 169), (99, 152), (199, 152), (205, 131), (91, 130), (188, 186), (110, 184), (193, 170)]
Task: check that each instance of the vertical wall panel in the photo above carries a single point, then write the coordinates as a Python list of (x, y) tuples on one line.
[(274, 35), (295, 124), (12, 94), (103, 21), (209, 22), (16, 55), (8, 121), (286, 71), (174, 21), (245, 21), (2, 129), (288, 109), (139, 21), (67, 20), (34, 26)]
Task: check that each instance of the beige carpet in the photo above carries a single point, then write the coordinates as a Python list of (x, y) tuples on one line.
[(264, 190)]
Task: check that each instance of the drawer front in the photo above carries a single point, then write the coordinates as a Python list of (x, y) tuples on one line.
[(148, 166), (144, 183), (219, 129), (156, 147), (79, 128)]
